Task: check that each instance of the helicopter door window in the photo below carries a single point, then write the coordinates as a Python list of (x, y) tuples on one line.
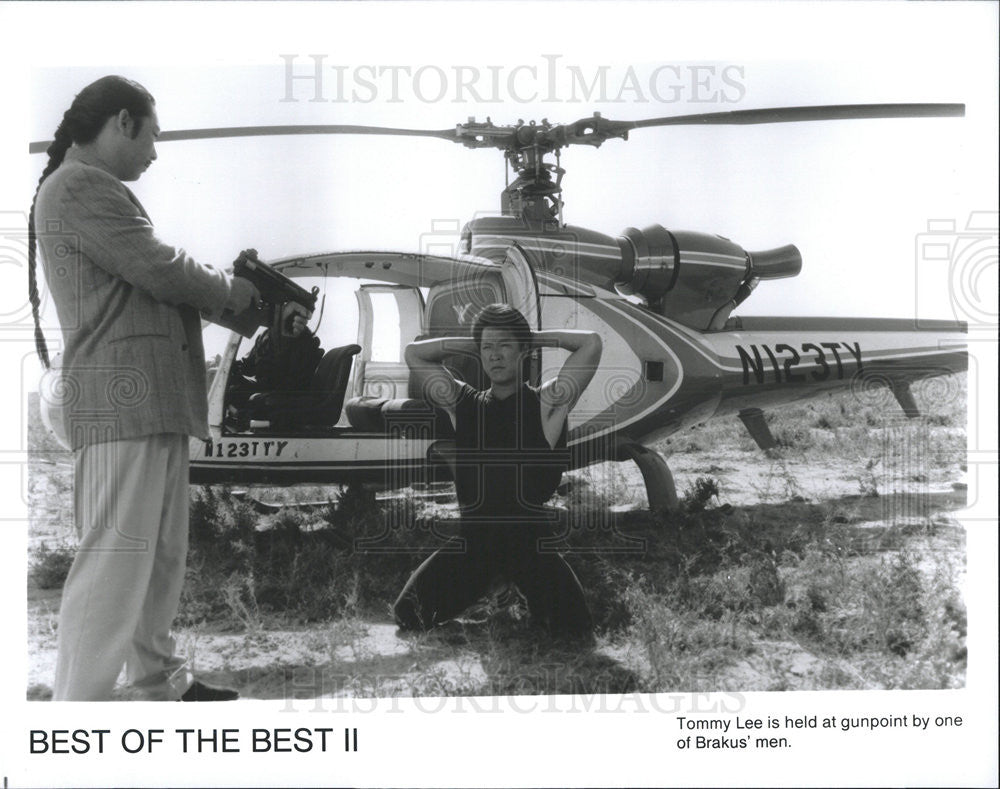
[(334, 324), (391, 316), (385, 337)]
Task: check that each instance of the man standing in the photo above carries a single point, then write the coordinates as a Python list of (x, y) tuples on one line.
[(510, 443), (133, 380)]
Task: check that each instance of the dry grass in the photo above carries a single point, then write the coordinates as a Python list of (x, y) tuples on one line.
[(829, 563)]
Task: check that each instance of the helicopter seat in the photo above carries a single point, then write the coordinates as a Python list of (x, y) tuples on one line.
[(399, 415), (365, 414), (318, 406)]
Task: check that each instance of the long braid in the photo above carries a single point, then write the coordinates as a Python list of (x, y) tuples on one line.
[(57, 152), (81, 124)]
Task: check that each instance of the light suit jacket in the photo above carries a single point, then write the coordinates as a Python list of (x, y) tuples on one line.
[(130, 309)]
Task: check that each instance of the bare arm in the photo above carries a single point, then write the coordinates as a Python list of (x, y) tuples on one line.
[(437, 385), (560, 394)]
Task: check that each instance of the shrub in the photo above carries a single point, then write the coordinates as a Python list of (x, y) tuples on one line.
[(682, 649), (300, 564), (50, 566), (698, 496)]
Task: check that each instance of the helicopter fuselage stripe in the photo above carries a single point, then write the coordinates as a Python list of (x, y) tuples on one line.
[(685, 261), (729, 364), (716, 255), (553, 280), (649, 331), (415, 462), (707, 346), (696, 341), (692, 258), (606, 251), (536, 244)]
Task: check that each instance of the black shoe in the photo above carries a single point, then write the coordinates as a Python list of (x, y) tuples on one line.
[(199, 691)]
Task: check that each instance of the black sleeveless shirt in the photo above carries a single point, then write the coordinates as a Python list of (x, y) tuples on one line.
[(504, 464)]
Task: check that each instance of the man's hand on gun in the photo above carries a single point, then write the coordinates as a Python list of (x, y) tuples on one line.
[(244, 296), (289, 306)]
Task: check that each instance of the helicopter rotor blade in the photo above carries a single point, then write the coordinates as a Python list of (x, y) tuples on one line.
[(592, 131), (829, 112), (595, 130), (274, 131)]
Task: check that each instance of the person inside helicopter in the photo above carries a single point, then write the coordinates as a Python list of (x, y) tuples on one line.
[(285, 365), (287, 381), (510, 447), (276, 364)]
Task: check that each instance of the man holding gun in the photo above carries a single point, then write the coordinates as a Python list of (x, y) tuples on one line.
[(130, 307)]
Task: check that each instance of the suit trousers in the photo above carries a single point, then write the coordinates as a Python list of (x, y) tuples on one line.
[(121, 596), (466, 568)]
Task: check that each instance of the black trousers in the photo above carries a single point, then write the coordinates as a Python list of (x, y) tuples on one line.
[(463, 571)]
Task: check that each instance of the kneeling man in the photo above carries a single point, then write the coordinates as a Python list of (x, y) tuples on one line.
[(510, 455)]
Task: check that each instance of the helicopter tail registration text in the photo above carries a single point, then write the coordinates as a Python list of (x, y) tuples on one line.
[(787, 363), (244, 449)]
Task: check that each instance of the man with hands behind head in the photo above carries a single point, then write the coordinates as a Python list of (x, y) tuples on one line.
[(510, 443), (133, 369)]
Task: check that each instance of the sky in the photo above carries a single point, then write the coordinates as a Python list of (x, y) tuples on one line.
[(854, 196), (859, 198)]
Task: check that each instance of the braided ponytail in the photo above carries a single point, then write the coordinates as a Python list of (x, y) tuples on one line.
[(81, 124), (56, 152)]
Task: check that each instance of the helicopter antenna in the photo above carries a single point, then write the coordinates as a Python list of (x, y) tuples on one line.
[(322, 304)]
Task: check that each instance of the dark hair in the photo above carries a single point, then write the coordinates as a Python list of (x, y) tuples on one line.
[(81, 124), (501, 316)]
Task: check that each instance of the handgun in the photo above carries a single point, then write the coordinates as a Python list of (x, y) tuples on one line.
[(276, 290)]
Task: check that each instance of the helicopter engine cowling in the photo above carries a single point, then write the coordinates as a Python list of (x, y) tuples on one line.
[(649, 262), (696, 279), (684, 276)]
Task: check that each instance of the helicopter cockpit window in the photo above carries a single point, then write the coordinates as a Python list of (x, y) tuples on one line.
[(452, 307)]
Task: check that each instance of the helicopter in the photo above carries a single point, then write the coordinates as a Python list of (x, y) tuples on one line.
[(662, 301)]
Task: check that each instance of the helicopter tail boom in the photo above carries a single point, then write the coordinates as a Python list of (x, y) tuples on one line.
[(771, 361)]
